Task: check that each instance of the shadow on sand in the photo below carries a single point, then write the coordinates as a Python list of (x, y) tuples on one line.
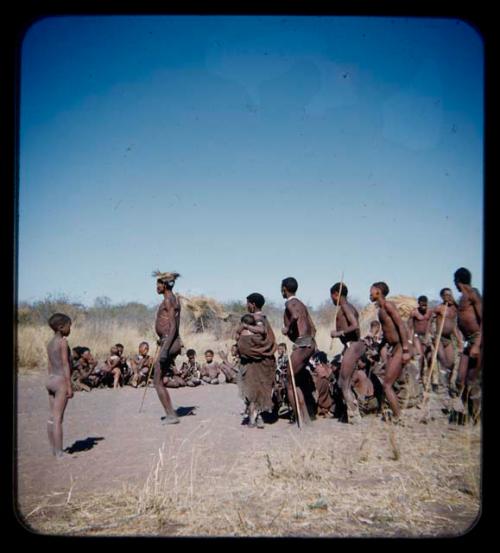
[(183, 411), (83, 445)]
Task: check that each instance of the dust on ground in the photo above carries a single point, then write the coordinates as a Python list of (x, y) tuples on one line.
[(127, 474)]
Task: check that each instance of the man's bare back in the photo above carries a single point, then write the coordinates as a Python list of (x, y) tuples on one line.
[(385, 315), (298, 323)]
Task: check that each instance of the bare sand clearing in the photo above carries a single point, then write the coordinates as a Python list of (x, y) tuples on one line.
[(211, 476)]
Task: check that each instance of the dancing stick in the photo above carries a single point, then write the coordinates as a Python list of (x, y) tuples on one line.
[(294, 389), (149, 374)]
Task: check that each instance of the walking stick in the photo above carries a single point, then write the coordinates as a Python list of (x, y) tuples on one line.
[(337, 308), (149, 374), (434, 358), (435, 352), (294, 389)]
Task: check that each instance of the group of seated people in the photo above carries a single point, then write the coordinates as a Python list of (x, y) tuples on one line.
[(118, 370)]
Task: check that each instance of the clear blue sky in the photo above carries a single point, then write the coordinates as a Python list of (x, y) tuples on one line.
[(242, 150)]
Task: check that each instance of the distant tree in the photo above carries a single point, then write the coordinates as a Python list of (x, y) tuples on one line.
[(102, 302), (44, 309)]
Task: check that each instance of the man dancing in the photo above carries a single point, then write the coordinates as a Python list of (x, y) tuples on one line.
[(396, 335), (167, 328), (347, 324), (300, 329)]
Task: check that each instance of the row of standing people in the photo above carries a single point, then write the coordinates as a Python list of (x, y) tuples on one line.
[(257, 349)]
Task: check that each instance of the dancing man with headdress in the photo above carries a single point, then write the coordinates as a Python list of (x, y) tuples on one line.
[(167, 327)]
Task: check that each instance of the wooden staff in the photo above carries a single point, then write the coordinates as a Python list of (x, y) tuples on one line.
[(149, 374), (433, 362), (436, 348), (337, 308), (294, 389)]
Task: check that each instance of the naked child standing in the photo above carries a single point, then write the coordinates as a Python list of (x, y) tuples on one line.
[(59, 380)]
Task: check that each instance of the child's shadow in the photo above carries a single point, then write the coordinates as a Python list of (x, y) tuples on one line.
[(83, 445)]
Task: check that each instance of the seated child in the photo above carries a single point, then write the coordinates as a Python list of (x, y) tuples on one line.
[(173, 377), (230, 368), (190, 369), (111, 367), (367, 387), (210, 370), (125, 370), (140, 365)]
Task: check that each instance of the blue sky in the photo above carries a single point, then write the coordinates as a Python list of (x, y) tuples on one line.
[(242, 150)]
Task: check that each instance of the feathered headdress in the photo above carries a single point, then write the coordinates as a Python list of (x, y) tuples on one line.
[(165, 276)]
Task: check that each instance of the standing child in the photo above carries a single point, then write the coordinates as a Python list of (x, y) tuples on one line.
[(59, 380)]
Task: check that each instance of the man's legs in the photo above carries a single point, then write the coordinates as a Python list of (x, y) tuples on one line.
[(468, 387), (298, 360), (347, 368), (419, 356), (393, 369), (161, 390)]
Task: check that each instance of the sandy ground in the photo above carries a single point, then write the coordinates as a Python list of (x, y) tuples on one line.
[(113, 445)]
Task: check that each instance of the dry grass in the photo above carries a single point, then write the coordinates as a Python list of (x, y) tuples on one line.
[(346, 483), (32, 341)]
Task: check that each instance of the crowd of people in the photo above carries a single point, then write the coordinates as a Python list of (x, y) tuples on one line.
[(396, 365), (118, 370)]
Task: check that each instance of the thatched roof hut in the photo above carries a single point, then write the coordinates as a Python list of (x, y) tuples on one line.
[(405, 305)]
